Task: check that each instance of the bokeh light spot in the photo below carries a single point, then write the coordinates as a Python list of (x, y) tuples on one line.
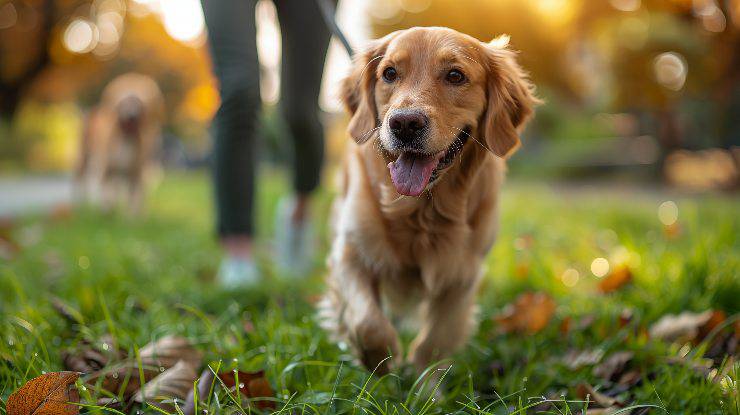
[(570, 277), (8, 16), (83, 262), (670, 70), (625, 5), (415, 6), (668, 213), (81, 36), (183, 19), (600, 267)]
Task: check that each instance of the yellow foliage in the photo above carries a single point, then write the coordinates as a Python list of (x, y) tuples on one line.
[(54, 130)]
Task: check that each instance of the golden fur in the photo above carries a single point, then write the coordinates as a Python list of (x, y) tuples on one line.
[(396, 255), (115, 157)]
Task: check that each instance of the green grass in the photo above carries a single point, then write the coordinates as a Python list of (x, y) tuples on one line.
[(140, 280)]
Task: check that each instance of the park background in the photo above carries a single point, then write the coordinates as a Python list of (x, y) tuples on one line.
[(620, 209)]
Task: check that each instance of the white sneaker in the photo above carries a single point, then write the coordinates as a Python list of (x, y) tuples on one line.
[(294, 242), (237, 272)]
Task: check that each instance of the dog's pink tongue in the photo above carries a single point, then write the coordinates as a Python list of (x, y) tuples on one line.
[(411, 172)]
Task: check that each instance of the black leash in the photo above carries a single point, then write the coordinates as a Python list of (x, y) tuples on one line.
[(327, 12)]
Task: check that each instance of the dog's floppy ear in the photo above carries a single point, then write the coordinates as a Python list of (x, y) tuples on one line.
[(358, 89), (511, 98)]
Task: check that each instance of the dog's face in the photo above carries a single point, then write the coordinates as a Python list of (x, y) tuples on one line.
[(426, 92)]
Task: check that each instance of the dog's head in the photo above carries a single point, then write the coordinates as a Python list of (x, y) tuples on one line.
[(130, 111), (426, 92)]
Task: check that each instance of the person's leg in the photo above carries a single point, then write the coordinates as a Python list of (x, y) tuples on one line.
[(305, 39), (232, 39)]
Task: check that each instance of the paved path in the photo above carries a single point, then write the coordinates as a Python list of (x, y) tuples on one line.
[(27, 194)]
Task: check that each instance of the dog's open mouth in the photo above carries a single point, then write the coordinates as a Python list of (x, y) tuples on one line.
[(412, 171)]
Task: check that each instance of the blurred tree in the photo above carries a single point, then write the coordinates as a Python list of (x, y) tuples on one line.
[(24, 48), (648, 57), (56, 52)]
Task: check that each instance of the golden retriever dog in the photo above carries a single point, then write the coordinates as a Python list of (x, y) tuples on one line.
[(434, 114), (120, 138)]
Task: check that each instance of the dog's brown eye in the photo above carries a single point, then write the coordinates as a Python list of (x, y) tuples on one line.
[(455, 77), (390, 74)]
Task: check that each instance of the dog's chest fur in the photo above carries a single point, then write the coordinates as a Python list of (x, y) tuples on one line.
[(424, 242)]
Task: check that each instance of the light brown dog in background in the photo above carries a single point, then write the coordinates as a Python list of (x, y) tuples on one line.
[(118, 145), (434, 114)]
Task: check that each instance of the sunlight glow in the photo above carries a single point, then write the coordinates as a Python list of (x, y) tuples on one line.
[(183, 19), (600, 267)]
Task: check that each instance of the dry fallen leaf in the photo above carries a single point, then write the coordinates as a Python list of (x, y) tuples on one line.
[(72, 316), (205, 383), (61, 213), (617, 279), (686, 326), (613, 366), (124, 377), (585, 390), (602, 411), (167, 351), (53, 393), (8, 245), (251, 385), (173, 383), (531, 312), (91, 356), (576, 359)]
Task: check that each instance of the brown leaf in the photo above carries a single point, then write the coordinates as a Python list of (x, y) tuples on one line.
[(72, 316), (686, 326), (565, 325), (630, 379), (576, 359), (61, 213), (124, 377), (617, 279), (9, 248), (585, 390), (702, 367), (251, 385), (53, 393), (614, 365), (204, 387), (531, 312), (173, 383), (91, 356), (602, 411), (167, 351)]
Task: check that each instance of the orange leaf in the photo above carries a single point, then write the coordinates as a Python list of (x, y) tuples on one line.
[(53, 393), (531, 312), (617, 279), (251, 385)]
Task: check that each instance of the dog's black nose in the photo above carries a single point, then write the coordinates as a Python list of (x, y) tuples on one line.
[(407, 125)]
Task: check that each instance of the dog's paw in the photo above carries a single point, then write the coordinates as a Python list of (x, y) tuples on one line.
[(378, 345)]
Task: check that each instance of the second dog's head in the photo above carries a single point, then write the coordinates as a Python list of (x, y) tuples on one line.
[(426, 92)]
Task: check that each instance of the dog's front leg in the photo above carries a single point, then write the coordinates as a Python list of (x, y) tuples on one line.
[(448, 317), (354, 295)]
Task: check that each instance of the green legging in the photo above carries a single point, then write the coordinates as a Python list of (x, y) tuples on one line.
[(232, 39)]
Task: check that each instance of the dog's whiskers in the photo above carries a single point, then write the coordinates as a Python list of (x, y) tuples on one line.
[(362, 73), (368, 133), (476, 140)]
